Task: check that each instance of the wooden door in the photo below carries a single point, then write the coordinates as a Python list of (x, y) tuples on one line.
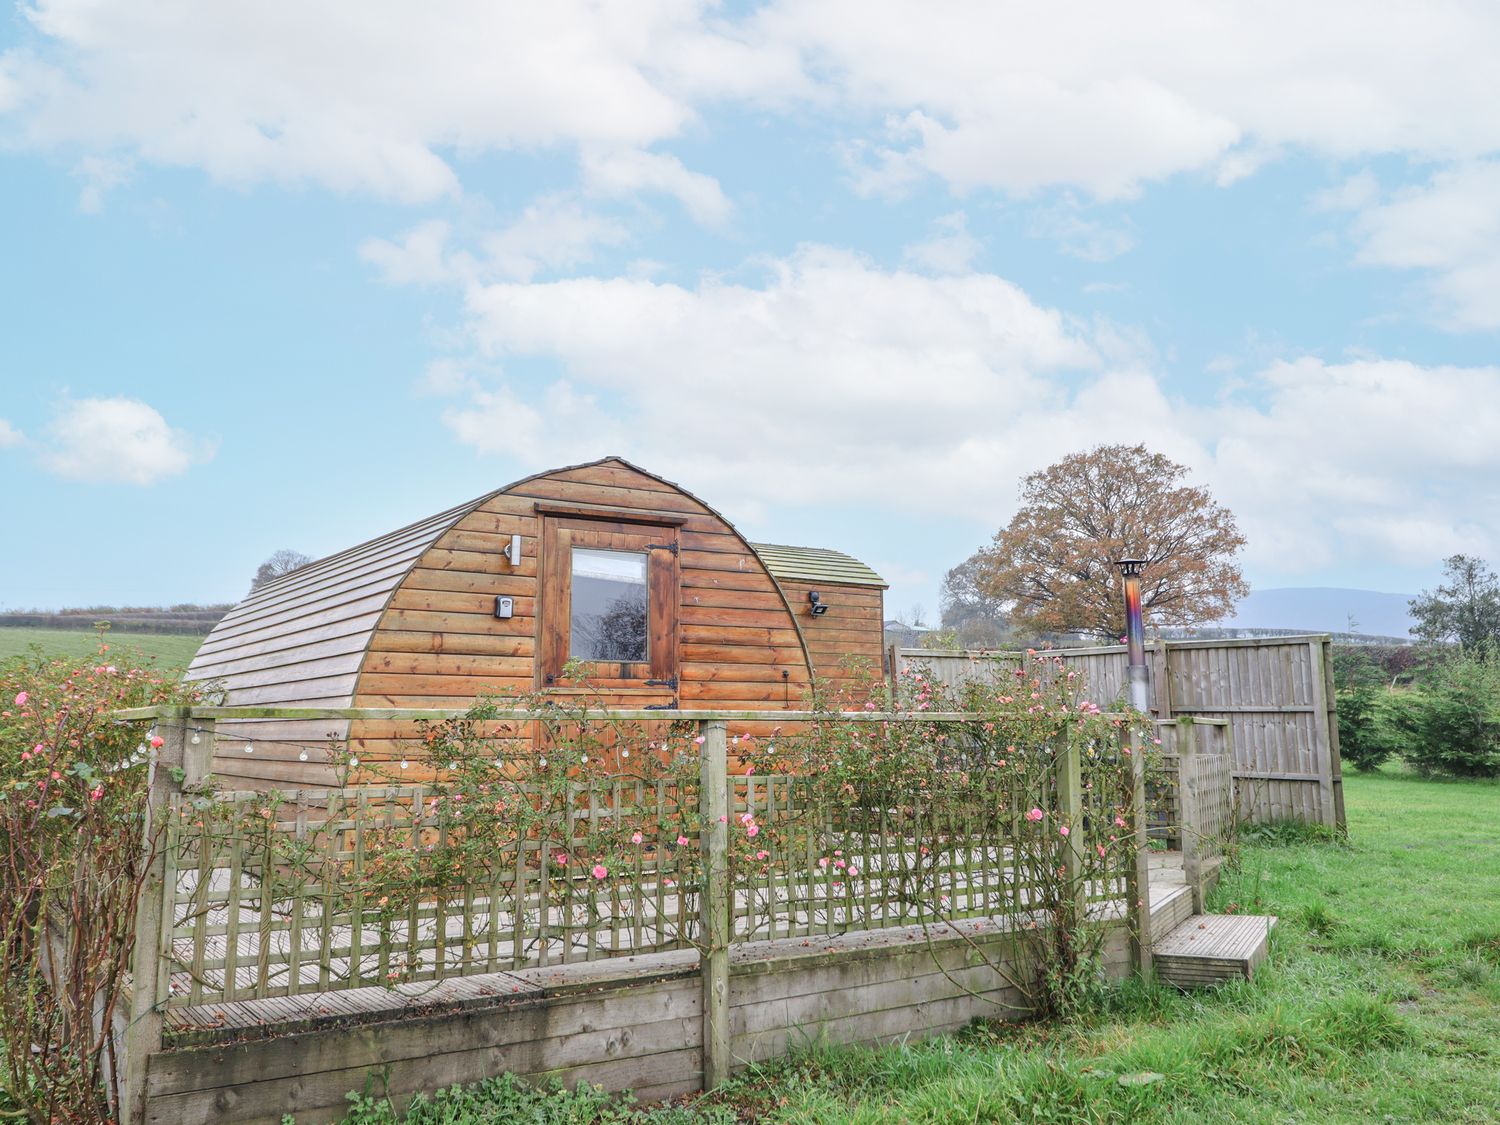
[(608, 600)]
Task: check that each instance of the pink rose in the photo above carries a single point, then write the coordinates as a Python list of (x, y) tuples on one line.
[(753, 831), (600, 871), (853, 871), (1034, 815), (635, 837), (682, 841), (21, 698), (157, 741), (1063, 831)]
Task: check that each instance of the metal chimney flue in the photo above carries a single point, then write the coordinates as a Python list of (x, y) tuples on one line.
[(1138, 676)]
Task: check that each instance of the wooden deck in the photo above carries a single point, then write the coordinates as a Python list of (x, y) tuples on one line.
[(1209, 949)]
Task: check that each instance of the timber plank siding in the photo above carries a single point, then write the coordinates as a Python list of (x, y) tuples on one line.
[(409, 620)]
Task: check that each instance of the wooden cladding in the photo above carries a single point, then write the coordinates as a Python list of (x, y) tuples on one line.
[(725, 637), (410, 619), (609, 512)]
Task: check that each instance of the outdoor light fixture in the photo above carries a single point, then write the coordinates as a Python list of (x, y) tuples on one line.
[(513, 552), (816, 605), (1135, 634)]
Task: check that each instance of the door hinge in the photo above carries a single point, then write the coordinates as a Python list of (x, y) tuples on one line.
[(672, 683), (662, 547), (672, 706)]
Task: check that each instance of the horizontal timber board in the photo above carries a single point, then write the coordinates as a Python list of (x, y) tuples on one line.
[(506, 1022), (466, 644)]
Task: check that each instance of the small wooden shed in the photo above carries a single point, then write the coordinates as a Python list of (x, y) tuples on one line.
[(656, 593)]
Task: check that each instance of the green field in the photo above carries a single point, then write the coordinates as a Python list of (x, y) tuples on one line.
[(167, 649), (1381, 1004)]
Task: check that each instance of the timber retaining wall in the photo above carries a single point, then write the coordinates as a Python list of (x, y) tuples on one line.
[(629, 1023)]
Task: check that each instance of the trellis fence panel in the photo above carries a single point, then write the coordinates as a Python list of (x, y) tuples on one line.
[(1276, 694)]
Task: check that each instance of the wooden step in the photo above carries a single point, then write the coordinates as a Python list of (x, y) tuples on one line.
[(1209, 949)]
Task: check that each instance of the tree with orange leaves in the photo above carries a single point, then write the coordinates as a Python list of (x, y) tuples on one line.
[(1054, 564)]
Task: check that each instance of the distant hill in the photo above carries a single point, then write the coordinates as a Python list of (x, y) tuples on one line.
[(1324, 609)]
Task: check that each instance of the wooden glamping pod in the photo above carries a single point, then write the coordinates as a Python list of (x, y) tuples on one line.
[(665, 602)]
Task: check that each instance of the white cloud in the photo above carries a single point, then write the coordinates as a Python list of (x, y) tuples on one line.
[(100, 175), (933, 395), (951, 249), (831, 370), (1378, 459), (1097, 96), (1104, 97), (1078, 237), (117, 441), (9, 435), (1450, 226), (370, 97), (419, 258), (628, 171), (552, 233)]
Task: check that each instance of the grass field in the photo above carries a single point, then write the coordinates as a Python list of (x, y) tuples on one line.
[(168, 650), (1381, 1004)]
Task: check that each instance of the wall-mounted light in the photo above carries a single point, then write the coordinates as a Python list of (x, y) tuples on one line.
[(816, 605), (513, 552)]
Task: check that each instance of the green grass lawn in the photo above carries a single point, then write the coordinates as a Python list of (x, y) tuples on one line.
[(1381, 1003), (167, 649)]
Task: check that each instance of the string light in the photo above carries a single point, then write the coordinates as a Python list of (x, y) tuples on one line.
[(625, 753), (544, 762), (302, 757), (353, 761), (404, 763), (453, 765), (249, 748), (197, 738)]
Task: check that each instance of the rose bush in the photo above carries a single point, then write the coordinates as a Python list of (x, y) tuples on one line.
[(72, 857)]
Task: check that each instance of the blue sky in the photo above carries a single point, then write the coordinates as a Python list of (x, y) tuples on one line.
[(288, 275)]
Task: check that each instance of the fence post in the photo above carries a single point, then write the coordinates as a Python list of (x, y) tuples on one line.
[(1070, 813), (1189, 799), (714, 905), (1138, 873), (176, 763)]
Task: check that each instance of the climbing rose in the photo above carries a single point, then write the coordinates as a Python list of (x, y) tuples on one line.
[(1063, 831), (753, 831), (1034, 814), (157, 741), (600, 871), (682, 841), (635, 838)]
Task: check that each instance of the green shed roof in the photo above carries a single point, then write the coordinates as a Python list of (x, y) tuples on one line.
[(816, 564)]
